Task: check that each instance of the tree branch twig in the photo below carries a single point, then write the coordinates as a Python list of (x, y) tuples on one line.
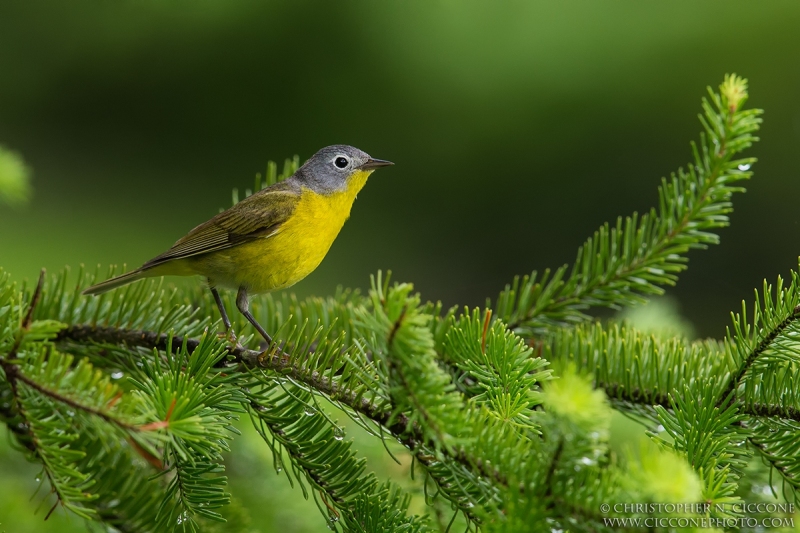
[(275, 360)]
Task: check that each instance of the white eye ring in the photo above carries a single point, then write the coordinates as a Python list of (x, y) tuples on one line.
[(341, 161)]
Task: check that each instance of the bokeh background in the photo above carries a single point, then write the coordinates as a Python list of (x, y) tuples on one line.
[(517, 128)]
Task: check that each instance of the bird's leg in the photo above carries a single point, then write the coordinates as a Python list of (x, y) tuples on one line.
[(244, 307), (229, 334)]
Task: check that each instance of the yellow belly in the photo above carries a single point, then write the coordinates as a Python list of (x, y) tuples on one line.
[(280, 261)]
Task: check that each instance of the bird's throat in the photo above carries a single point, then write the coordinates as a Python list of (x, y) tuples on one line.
[(357, 182)]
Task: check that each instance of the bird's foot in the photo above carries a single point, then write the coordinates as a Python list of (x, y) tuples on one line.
[(230, 336)]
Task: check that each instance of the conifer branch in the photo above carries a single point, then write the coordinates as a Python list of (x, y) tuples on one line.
[(617, 392), (299, 368), (267, 360), (66, 482), (787, 412), (37, 294), (22, 428), (297, 456), (409, 390), (318, 453), (150, 340), (551, 470), (13, 373), (736, 378), (17, 425), (26, 322), (399, 426), (776, 461), (769, 344), (623, 265), (771, 459), (492, 366), (636, 395)]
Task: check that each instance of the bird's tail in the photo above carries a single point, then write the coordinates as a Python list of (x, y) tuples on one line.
[(118, 281)]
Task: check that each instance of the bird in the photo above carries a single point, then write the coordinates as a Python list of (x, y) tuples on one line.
[(270, 240)]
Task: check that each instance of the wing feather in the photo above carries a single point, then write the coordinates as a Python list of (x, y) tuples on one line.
[(258, 216)]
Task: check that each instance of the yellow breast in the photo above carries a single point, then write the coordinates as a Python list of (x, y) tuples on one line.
[(295, 250)]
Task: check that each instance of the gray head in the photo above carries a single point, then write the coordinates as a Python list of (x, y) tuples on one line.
[(330, 169)]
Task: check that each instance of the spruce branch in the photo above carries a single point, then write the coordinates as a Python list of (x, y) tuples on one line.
[(493, 366), (53, 449), (190, 406), (770, 321), (636, 369), (272, 359), (620, 395), (275, 360), (319, 454), (766, 354), (13, 373), (37, 409), (753, 377), (25, 325), (623, 265), (13, 419), (471, 477), (551, 470), (404, 347), (772, 411), (776, 444), (322, 372)]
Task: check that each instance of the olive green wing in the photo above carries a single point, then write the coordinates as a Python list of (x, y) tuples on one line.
[(258, 216)]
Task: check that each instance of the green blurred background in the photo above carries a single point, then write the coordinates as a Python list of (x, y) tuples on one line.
[(517, 128)]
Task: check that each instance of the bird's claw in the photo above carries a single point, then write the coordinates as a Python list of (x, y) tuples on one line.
[(230, 336)]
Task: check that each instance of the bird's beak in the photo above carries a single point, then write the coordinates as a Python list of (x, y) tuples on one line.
[(372, 164)]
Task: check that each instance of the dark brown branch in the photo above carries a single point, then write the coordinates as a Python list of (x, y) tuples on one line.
[(771, 411), (615, 391), (422, 455), (268, 360), (396, 326), (144, 339), (37, 294), (651, 398)]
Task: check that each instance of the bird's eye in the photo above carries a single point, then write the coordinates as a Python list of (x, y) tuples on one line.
[(341, 162)]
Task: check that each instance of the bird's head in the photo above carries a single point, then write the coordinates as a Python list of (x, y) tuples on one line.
[(338, 168)]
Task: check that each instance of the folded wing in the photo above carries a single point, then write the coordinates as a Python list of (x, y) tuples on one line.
[(258, 216)]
